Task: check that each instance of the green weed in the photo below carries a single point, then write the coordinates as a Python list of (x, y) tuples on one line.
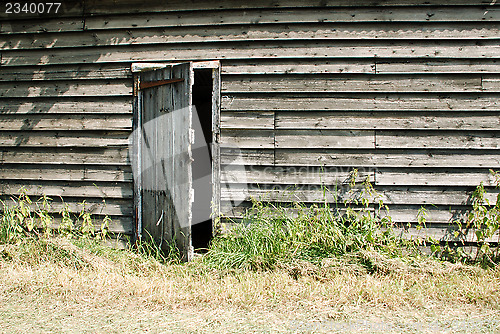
[(148, 248), (27, 218), (274, 235), (480, 225)]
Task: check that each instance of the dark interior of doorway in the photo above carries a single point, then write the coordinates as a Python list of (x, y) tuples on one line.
[(201, 230)]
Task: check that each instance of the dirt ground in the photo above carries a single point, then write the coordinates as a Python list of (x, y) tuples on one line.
[(67, 289), (46, 313)]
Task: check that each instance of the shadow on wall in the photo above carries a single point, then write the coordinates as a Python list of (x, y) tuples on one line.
[(59, 135)]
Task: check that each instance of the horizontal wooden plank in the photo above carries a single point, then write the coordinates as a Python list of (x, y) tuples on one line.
[(418, 120), (440, 66), (66, 88), (304, 175), (235, 156), (109, 105), (79, 72), (132, 6), (434, 214), (66, 156), (393, 195), (325, 139), (438, 224), (67, 189), (296, 175), (66, 8), (247, 138), (361, 102), (387, 158), (63, 139), (304, 15), (66, 173), (354, 83), (443, 233), (113, 207), (433, 177), (41, 26), (268, 49), (398, 213), (491, 84), (438, 139), (320, 31), (117, 225), (247, 120), (67, 122), (292, 66)]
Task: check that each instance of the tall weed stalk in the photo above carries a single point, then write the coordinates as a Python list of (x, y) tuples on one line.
[(32, 219), (480, 226), (272, 235)]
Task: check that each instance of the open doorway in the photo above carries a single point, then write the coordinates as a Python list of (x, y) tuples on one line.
[(203, 90), (175, 152)]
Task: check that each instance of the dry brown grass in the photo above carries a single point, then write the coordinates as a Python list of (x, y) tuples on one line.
[(120, 291)]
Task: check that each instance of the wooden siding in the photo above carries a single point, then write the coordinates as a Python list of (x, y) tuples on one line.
[(405, 91)]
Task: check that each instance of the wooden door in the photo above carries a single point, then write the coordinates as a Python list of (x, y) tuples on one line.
[(164, 156)]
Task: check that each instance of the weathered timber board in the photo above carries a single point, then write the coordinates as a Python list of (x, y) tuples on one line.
[(380, 176), (300, 175), (66, 88), (66, 156), (117, 225), (305, 15), (433, 177), (438, 221), (292, 66), (362, 158), (441, 232), (67, 173), (398, 213), (389, 195), (325, 139), (114, 207), (67, 72), (42, 26), (355, 102), (438, 139), (108, 105), (237, 156), (268, 49), (247, 120), (355, 83), (54, 122), (407, 120), (66, 189), (98, 7), (368, 66), (386, 158), (247, 138), (48, 139), (245, 32), (461, 66), (491, 84)]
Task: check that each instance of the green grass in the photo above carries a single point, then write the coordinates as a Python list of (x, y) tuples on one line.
[(273, 237)]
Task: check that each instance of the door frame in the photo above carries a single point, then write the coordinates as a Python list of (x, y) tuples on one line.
[(136, 69)]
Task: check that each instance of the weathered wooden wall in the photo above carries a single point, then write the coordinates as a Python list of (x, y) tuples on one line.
[(405, 91)]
